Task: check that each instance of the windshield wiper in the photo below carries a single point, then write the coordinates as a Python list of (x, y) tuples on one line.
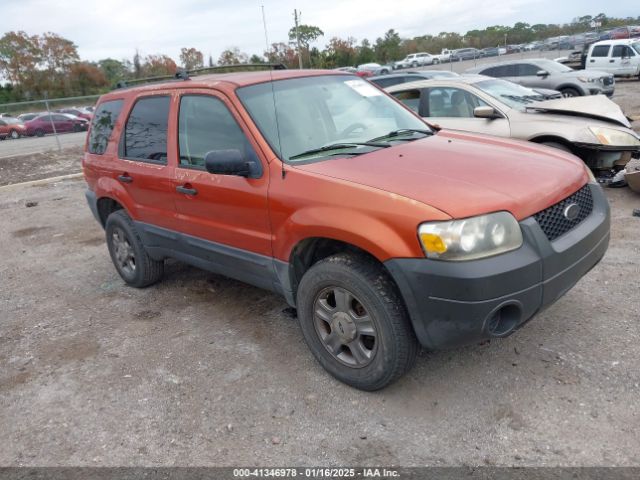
[(342, 145), (518, 98), (402, 132)]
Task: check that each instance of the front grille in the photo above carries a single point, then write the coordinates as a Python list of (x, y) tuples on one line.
[(553, 221)]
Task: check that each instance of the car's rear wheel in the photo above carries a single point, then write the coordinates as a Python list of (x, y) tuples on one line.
[(39, 132), (414, 64), (76, 127), (354, 321), (128, 254), (14, 134), (570, 92)]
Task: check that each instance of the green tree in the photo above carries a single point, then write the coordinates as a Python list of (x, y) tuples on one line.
[(232, 56), (191, 58), (365, 53), (113, 70), (388, 47)]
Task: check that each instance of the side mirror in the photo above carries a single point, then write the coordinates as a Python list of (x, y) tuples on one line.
[(485, 112), (228, 162), (542, 73)]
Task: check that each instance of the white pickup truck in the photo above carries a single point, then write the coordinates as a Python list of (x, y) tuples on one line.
[(443, 57), (414, 60)]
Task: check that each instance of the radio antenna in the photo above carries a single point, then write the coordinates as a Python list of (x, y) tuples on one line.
[(273, 94)]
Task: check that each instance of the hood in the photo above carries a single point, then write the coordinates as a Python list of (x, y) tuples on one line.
[(592, 106), (465, 174), (586, 73)]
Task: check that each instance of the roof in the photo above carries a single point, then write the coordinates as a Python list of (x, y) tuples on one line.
[(617, 41), (466, 79), (223, 80), (507, 62)]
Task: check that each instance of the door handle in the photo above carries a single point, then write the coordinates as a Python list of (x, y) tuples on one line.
[(611, 61), (125, 178), (187, 189), (592, 61)]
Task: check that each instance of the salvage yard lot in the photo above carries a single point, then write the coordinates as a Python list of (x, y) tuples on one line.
[(203, 370)]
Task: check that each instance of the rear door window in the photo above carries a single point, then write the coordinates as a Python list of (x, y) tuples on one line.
[(600, 51), (145, 135), (620, 51), (102, 125), (526, 69), (411, 98)]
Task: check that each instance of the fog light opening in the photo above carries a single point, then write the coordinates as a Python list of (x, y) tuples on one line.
[(504, 320)]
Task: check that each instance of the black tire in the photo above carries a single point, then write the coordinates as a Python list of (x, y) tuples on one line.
[(76, 127), (39, 133), (414, 64), (436, 61), (570, 92), (14, 135), (392, 347), (558, 145), (128, 254)]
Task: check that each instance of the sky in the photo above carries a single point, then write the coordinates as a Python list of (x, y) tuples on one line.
[(115, 28)]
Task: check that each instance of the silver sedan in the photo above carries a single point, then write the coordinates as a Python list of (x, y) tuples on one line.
[(593, 128)]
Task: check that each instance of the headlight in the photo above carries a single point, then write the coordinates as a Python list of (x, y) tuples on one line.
[(588, 79), (471, 238), (611, 136)]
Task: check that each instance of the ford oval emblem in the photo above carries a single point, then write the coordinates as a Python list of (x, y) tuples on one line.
[(571, 211)]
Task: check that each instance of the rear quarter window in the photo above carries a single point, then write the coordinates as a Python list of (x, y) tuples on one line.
[(102, 123)]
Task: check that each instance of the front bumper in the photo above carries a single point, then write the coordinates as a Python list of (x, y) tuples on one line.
[(457, 303)]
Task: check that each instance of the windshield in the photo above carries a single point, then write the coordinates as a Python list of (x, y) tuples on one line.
[(313, 112), (509, 93), (13, 121), (636, 47), (552, 66)]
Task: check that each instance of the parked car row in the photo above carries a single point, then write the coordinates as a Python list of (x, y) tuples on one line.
[(40, 124)]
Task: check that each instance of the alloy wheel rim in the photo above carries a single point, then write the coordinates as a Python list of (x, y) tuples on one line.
[(345, 327), (123, 252)]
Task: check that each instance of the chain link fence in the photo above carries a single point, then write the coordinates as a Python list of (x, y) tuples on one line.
[(48, 113)]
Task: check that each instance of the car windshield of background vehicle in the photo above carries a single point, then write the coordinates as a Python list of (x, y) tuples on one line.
[(509, 93), (636, 47), (313, 112)]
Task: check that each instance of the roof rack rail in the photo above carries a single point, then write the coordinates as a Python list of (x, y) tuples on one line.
[(182, 75)]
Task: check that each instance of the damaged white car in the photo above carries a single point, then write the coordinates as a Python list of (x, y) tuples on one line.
[(594, 128)]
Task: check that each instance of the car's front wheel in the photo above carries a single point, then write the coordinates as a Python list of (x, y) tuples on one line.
[(436, 61), (128, 254), (355, 322), (14, 135), (570, 92)]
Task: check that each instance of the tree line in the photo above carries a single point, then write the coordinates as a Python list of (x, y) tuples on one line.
[(48, 65)]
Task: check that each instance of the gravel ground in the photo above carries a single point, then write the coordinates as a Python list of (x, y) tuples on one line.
[(203, 370), (31, 145)]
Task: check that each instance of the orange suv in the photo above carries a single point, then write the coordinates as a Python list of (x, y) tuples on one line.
[(383, 232)]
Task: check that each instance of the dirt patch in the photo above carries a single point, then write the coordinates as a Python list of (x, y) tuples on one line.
[(14, 381), (25, 168), (28, 232)]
